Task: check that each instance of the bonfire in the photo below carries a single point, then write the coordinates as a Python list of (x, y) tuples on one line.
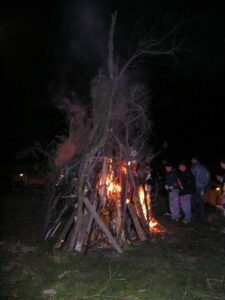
[(100, 196)]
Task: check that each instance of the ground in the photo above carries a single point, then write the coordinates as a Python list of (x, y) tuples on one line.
[(180, 262)]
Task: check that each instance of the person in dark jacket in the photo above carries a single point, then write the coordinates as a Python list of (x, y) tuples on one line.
[(172, 187), (202, 178), (186, 183)]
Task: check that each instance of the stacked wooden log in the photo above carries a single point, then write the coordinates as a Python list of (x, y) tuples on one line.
[(112, 213), (96, 199)]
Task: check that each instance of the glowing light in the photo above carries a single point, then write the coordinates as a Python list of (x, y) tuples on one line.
[(218, 189), (21, 175), (153, 223), (141, 193), (113, 187), (109, 182), (124, 169)]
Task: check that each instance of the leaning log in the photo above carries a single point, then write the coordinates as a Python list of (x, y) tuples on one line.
[(137, 225), (65, 231), (101, 224), (83, 231), (138, 205)]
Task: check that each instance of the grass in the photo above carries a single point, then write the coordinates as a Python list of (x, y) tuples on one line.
[(186, 262), (148, 271)]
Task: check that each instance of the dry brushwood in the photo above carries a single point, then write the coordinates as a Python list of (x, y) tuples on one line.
[(96, 198)]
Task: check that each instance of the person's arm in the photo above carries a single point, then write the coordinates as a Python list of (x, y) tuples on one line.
[(219, 178), (180, 184)]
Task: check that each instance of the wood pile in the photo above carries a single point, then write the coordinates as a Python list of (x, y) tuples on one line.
[(115, 212), (99, 196)]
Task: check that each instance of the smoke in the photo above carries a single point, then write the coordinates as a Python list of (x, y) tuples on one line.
[(84, 40), (83, 43), (89, 31)]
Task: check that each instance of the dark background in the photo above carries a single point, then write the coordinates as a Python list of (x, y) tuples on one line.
[(49, 49)]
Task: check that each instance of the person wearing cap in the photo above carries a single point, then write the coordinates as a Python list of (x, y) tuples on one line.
[(171, 185), (221, 179), (202, 178), (186, 183)]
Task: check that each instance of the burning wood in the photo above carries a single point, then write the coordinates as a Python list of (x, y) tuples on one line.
[(112, 214), (101, 199)]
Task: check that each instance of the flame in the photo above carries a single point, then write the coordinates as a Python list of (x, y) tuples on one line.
[(154, 226), (153, 223), (128, 201), (124, 169), (112, 187), (112, 190), (141, 193)]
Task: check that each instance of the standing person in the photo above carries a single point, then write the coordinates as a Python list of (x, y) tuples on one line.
[(202, 178), (171, 185), (186, 183), (148, 180), (221, 179)]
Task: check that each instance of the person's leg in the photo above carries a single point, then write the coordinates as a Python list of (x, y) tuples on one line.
[(185, 201), (168, 212), (182, 200), (176, 205), (201, 203), (188, 207), (171, 205)]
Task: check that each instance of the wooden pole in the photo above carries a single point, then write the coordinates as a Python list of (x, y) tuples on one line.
[(102, 225), (139, 230), (64, 231)]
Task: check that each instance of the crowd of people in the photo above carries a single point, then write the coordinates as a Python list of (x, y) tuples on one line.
[(186, 189)]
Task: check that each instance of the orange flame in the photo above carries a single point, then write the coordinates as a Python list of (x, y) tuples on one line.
[(113, 189), (153, 224), (141, 193), (112, 186)]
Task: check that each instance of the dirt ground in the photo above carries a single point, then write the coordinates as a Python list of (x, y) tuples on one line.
[(178, 262)]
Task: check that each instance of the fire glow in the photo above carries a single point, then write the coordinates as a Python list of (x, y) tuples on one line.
[(113, 188), (141, 193), (111, 192), (145, 203)]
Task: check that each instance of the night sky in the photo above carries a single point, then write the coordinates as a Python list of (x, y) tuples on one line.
[(49, 49)]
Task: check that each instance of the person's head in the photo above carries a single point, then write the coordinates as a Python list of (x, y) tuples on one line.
[(194, 160), (182, 166), (222, 163), (168, 167), (147, 169)]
